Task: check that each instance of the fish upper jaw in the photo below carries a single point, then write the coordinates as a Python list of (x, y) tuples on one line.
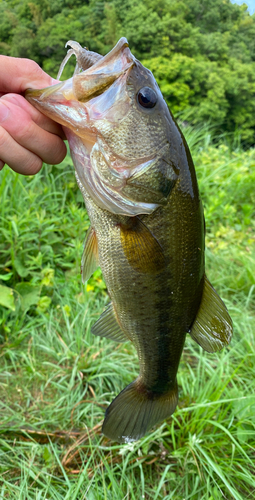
[(104, 72)]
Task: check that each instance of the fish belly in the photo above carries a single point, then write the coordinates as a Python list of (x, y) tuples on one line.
[(154, 309)]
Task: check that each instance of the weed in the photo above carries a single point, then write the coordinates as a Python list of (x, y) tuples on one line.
[(56, 380)]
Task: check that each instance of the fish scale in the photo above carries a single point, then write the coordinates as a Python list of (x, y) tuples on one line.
[(137, 177)]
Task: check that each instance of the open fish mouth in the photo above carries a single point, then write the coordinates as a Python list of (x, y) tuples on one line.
[(88, 104), (62, 101)]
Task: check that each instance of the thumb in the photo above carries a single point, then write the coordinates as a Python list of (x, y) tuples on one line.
[(17, 75)]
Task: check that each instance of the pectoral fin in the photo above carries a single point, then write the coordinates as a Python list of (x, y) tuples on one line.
[(212, 328), (89, 260), (142, 249), (108, 326)]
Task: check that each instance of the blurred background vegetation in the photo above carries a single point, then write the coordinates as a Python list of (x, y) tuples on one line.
[(202, 52)]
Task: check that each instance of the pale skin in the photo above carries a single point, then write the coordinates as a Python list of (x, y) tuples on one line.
[(27, 137)]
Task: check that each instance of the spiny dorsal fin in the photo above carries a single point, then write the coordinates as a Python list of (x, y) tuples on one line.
[(108, 326), (142, 249), (89, 260), (212, 328)]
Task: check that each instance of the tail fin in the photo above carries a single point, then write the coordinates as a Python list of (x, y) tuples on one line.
[(135, 410)]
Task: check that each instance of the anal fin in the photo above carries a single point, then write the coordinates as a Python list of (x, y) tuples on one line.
[(89, 260), (108, 326), (212, 328)]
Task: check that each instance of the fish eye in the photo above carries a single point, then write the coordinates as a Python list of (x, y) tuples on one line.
[(147, 97)]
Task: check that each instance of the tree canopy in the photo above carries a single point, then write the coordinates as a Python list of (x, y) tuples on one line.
[(202, 52)]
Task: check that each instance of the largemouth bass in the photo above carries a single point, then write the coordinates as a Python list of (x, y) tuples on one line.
[(137, 177)]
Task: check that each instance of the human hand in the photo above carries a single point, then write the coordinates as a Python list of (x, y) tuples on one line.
[(27, 137)]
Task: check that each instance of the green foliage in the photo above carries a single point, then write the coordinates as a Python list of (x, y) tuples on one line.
[(6, 297), (218, 95), (201, 52), (56, 379), (33, 243)]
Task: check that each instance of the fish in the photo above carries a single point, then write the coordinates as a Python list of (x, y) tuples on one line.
[(137, 177)]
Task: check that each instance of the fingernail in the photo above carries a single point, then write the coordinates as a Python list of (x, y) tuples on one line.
[(4, 112)]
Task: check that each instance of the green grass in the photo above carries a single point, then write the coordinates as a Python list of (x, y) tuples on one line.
[(56, 379)]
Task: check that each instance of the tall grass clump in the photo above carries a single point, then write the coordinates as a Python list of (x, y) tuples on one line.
[(56, 379)]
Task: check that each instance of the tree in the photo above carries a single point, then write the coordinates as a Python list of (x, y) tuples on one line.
[(202, 52)]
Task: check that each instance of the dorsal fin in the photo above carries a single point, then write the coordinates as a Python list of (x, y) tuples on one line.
[(89, 260), (212, 328)]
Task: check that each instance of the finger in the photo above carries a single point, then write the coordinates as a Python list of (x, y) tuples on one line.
[(17, 75), (18, 158), (40, 119), (19, 125), (2, 164)]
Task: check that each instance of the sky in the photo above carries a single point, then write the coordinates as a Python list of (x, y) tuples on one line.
[(250, 3)]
